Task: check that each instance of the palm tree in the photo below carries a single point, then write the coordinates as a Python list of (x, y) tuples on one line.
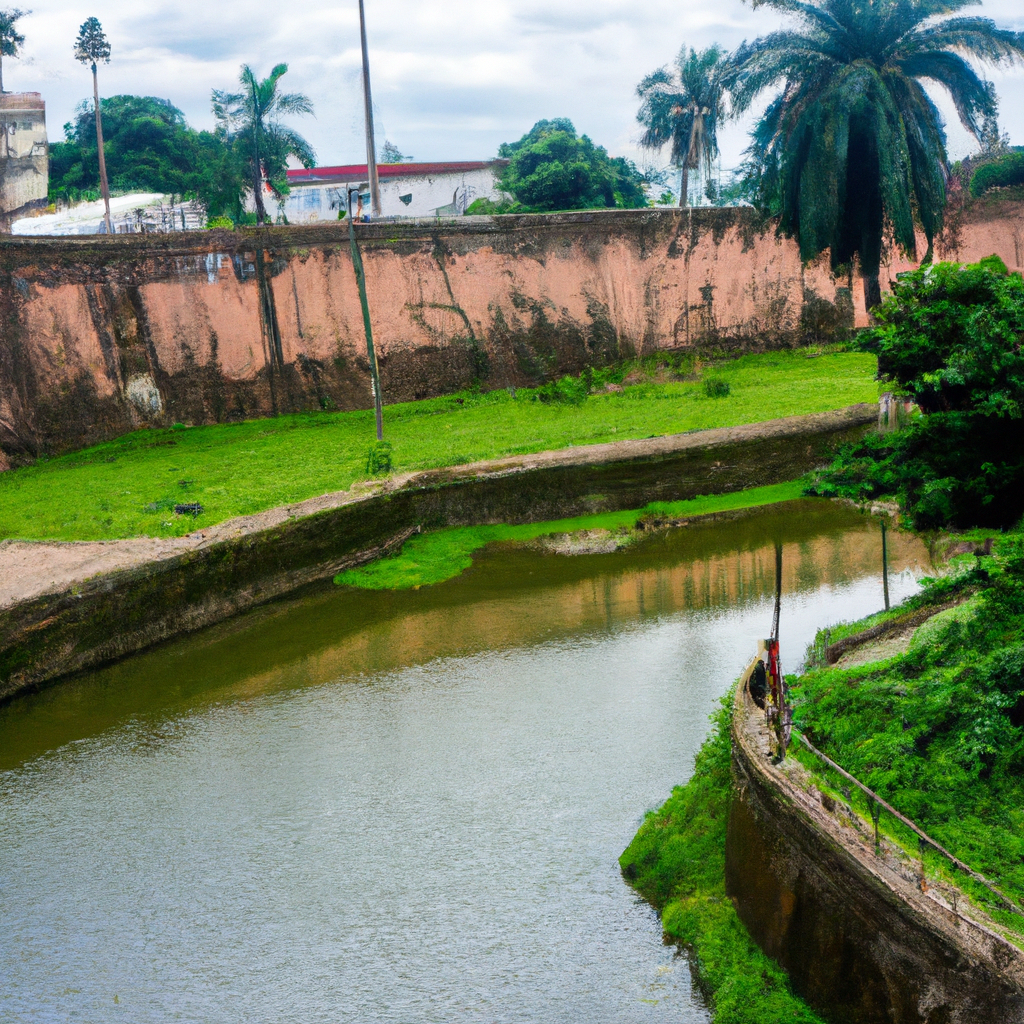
[(853, 146), (683, 107), (91, 47), (11, 40), (252, 119)]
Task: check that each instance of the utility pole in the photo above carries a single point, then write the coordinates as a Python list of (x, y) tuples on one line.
[(371, 355), (371, 149)]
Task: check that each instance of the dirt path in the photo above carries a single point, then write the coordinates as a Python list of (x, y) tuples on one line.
[(29, 569)]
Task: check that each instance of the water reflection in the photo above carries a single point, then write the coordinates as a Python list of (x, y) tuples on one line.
[(396, 807)]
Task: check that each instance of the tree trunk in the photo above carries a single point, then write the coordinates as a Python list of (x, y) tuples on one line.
[(104, 187), (257, 192), (684, 187), (1, 73), (872, 291)]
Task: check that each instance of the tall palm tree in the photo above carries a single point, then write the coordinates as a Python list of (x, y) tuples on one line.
[(251, 119), (11, 40), (853, 145), (682, 107), (91, 47)]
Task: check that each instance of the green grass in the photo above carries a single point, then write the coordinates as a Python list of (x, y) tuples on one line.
[(128, 487), (939, 731), (677, 862), (440, 555)]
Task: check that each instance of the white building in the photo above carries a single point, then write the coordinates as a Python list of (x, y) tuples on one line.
[(406, 190)]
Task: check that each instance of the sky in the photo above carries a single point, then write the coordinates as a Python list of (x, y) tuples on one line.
[(451, 79)]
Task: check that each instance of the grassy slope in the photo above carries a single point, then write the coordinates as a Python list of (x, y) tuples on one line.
[(677, 862), (939, 731), (442, 554), (239, 469)]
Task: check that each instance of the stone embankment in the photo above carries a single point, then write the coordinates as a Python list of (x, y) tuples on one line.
[(860, 939), (102, 335), (66, 607)]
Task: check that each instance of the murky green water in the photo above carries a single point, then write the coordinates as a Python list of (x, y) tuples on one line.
[(396, 807)]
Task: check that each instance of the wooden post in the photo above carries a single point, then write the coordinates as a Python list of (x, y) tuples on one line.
[(885, 568), (371, 355), (371, 150)]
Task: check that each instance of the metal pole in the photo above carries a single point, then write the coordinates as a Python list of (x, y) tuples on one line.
[(371, 355), (885, 568), (371, 150)]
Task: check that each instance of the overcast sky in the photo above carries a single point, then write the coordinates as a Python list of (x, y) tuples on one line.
[(451, 78)]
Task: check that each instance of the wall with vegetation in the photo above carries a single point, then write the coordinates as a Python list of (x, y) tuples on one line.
[(102, 335)]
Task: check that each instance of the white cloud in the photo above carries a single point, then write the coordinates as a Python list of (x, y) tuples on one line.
[(452, 78)]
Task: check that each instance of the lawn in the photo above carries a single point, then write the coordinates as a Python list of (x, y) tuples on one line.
[(129, 487)]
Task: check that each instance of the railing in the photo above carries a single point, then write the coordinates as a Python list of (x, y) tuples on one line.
[(877, 805)]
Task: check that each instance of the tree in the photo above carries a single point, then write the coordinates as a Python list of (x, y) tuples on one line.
[(11, 40), (91, 47), (853, 145), (551, 168), (950, 337), (391, 154), (682, 107), (250, 121)]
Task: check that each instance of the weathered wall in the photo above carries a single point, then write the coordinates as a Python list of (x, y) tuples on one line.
[(861, 943), (101, 335)]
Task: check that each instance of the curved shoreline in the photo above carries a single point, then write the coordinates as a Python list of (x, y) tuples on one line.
[(68, 606)]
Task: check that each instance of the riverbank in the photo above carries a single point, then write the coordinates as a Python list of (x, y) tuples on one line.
[(130, 487), (66, 607)]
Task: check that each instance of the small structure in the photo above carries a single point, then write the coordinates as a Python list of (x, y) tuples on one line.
[(24, 156), (406, 190)]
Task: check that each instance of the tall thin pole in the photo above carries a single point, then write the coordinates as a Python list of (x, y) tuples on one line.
[(371, 149), (885, 568), (104, 188), (371, 355)]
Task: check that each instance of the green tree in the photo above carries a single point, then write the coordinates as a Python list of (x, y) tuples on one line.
[(951, 338), (551, 168), (250, 122), (91, 47), (11, 40), (853, 145), (682, 107)]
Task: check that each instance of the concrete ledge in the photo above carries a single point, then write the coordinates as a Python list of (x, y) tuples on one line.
[(859, 939), (104, 601)]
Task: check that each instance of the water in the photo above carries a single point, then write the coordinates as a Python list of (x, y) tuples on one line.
[(397, 807)]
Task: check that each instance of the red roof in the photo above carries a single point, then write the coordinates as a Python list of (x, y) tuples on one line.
[(358, 172)]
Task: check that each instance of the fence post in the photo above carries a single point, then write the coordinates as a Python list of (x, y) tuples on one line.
[(876, 813), (921, 844)]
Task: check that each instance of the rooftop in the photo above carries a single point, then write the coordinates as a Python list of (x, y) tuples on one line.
[(358, 172)]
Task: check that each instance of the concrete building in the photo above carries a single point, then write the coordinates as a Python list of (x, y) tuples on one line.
[(406, 190), (24, 155)]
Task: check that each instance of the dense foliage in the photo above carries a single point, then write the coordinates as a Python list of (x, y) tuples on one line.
[(553, 168), (677, 862), (852, 146), (950, 337), (939, 731), (149, 148), (682, 107), (1006, 170)]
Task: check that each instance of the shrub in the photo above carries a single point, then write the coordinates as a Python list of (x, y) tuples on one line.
[(221, 222), (715, 387), (1003, 171), (378, 458)]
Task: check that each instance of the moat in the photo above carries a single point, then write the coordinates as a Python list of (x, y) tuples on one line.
[(398, 806)]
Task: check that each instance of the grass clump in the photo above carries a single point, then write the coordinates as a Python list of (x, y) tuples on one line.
[(939, 731), (676, 861), (109, 490), (443, 554)]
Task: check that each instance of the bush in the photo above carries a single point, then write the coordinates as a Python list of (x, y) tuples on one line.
[(221, 222), (378, 458), (1003, 171), (950, 337), (715, 387)]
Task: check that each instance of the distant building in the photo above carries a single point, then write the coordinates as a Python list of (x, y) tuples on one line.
[(24, 155), (406, 190)]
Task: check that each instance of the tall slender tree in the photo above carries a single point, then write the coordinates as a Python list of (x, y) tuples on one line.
[(853, 146), (682, 107), (11, 40), (251, 119), (91, 47)]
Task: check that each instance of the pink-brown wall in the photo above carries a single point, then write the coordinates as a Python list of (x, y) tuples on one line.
[(100, 336)]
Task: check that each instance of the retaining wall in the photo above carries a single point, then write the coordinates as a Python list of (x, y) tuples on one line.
[(102, 335)]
